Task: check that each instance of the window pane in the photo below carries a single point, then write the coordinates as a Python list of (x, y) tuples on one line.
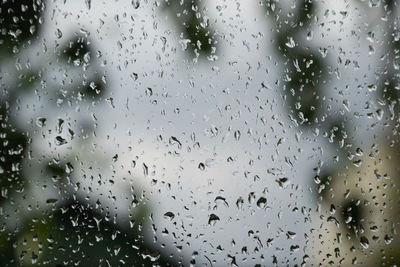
[(199, 133)]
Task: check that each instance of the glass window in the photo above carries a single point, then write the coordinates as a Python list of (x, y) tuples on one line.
[(199, 133)]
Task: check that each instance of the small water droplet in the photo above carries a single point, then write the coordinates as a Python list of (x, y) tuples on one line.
[(334, 220), (388, 239), (201, 166), (364, 242), (346, 104), (60, 141), (357, 163), (283, 182), (236, 134), (294, 248), (88, 4), (213, 219), (239, 202), (169, 215), (290, 43), (51, 200), (149, 91), (261, 202), (59, 34), (135, 4), (310, 35), (145, 170), (69, 168), (41, 122), (290, 234)]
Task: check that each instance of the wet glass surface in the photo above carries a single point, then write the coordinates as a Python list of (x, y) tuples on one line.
[(199, 133)]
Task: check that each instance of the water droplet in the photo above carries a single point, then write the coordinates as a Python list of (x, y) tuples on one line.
[(388, 239), (59, 126), (201, 166), (334, 220), (239, 202), (364, 242), (88, 4), (51, 200), (290, 234), (372, 87), (236, 134), (69, 168), (290, 43), (60, 141), (169, 215), (261, 202), (213, 219), (346, 104), (310, 35), (357, 163), (135, 4), (283, 182), (149, 91), (294, 248), (59, 34), (41, 122), (145, 170)]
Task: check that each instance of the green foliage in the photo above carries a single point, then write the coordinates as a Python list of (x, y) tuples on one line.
[(94, 88), (63, 232), (194, 25), (304, 68), (304, 84), (12, 146), (77, 233), (350, 209), (19, 22), (76, 49)]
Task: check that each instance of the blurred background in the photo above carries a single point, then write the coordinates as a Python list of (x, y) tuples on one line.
[(199, 133)]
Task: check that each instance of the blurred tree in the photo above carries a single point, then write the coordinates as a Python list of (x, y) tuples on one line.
[(76, 233), (193, 24), (20, 23), (304, 69), (69, 230), (347, 187)]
